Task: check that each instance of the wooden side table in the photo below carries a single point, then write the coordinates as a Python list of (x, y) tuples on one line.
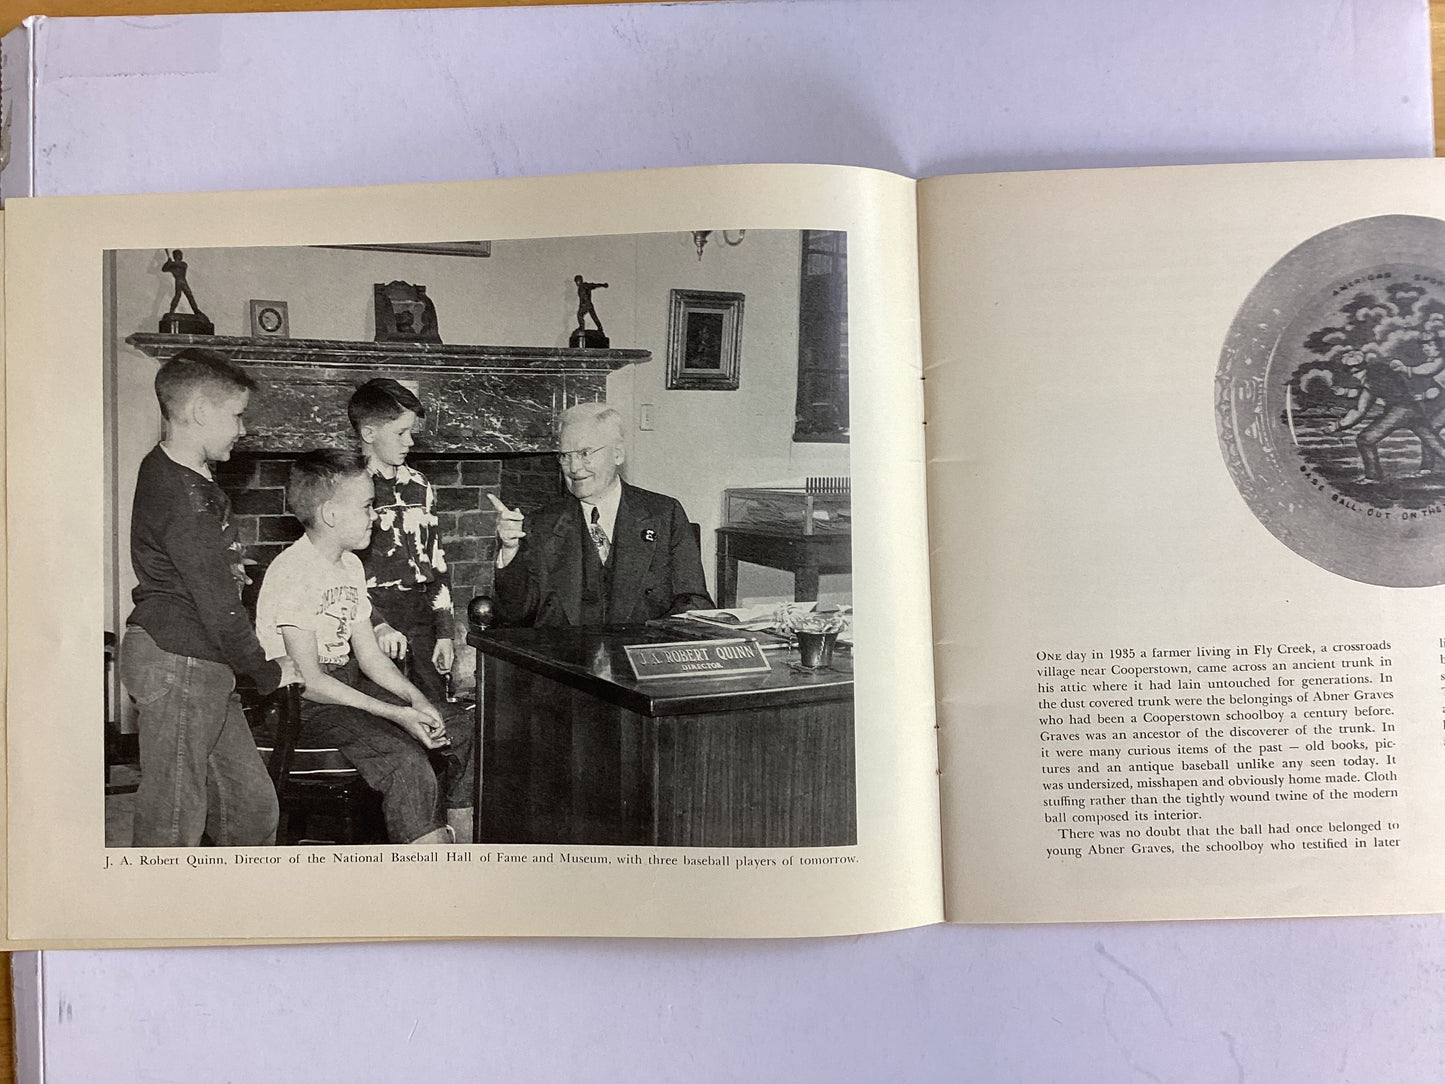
[(805, 556)]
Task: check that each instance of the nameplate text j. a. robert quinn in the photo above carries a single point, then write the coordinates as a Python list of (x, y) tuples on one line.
[(715, 658)]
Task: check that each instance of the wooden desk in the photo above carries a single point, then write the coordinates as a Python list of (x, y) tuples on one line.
[(805, 556), (575, 750)]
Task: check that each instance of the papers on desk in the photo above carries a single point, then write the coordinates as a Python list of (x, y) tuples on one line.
[(755, 618), (762, 620), (711, 622)]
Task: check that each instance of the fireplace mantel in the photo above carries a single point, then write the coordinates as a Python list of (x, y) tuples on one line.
[(480, 400), (341, 354)]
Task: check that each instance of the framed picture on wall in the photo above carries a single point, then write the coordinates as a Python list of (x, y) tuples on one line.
[(704, 340)]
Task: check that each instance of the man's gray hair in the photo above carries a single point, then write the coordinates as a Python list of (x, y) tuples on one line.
[(600, 413)]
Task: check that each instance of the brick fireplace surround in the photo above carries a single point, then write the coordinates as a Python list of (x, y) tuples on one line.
[(488, 429)]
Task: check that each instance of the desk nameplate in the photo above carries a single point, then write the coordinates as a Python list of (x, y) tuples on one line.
[(693, 658)]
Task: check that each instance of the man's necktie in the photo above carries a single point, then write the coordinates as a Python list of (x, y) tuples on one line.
[(599, 536)]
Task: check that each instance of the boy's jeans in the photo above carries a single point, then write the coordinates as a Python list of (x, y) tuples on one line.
[(200, 771), (394, 763)]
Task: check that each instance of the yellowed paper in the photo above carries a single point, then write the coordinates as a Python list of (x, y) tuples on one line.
[(1109, 610), (68, 582)]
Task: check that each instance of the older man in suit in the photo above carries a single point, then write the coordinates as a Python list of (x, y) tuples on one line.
[(612, 554)]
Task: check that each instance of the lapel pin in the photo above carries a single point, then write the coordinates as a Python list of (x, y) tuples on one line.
[(649, 535)]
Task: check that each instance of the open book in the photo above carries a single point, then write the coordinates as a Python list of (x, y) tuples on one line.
[(1144, 514)]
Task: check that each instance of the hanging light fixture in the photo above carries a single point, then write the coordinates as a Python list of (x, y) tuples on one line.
[(700, 238)]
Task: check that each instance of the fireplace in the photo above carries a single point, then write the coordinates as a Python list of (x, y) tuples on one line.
[(488, 429)]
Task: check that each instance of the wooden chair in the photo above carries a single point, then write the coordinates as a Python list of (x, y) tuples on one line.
[(323, 799)]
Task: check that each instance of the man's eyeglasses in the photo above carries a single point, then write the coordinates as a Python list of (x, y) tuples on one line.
[(580, 456)]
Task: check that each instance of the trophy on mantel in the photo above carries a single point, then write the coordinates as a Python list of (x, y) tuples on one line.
[(182, 323), (584, 336)]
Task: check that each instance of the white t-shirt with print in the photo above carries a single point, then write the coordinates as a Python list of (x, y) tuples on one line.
[(306, 591)]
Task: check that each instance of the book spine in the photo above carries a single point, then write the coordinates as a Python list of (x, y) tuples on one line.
[(17, 112), (27, 988)]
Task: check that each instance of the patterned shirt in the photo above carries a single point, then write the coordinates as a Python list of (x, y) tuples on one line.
[(406, 544)]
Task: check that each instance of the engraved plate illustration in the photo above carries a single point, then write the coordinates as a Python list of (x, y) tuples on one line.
[(1330, 400)]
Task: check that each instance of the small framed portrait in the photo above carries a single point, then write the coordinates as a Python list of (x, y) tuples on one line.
[(270, 320), (704, 340)]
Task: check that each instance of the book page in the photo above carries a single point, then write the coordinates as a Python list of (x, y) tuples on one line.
[(814, 814), (1185, 492)]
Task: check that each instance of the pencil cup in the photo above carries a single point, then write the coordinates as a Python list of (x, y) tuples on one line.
[(815, 649)]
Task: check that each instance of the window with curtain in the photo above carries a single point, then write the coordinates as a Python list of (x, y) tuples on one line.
[(822, 410)]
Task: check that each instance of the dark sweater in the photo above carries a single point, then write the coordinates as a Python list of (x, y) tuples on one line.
[(186, 555)]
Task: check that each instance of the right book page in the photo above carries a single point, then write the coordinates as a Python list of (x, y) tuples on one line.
[(1187, 525)]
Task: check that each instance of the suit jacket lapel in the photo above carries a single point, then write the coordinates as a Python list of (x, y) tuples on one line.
[(634, 541)]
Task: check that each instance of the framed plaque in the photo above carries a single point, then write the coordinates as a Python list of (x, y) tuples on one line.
[(270, 320)]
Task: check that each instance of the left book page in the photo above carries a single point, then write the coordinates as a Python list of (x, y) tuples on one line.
[(771, 806)]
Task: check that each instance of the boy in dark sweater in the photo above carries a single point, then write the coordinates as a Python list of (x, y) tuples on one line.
[(406, 569), (188, 635)]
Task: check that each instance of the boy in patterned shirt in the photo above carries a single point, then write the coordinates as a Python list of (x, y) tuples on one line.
[(406, 569)]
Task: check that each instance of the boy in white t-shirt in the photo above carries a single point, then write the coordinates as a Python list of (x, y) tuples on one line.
[(313, 607)]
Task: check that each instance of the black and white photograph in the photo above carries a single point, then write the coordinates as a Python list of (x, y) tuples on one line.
[(501, 542)]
